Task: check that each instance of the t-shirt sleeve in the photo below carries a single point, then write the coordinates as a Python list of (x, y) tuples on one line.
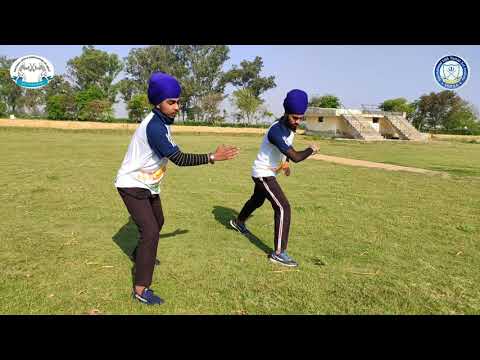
[(159, 139), (276, 138)]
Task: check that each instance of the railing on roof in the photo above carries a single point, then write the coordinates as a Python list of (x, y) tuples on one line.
[(314, 109), (381, 112), (375, 110)]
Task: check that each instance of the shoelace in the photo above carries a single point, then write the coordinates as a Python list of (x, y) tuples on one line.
[(147, 293)]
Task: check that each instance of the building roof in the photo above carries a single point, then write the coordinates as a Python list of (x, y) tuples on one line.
[(317, 111)]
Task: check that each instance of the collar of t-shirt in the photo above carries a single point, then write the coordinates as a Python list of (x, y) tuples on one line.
[(167, 120)]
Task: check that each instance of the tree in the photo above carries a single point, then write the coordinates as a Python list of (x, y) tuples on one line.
[(443, 110), (138, 106), (462, 119), (398, 105), (10, 93), (142, 62), (127, 88), (209, 104), (265, 113), (84, 97), (97, 110), (247, 103), (95, 68), (60, 99), (204, 75), (325, 101), (58, 85), (248, 77), (60, 107), (31, 101), (475, 111), (193, 112), (3, 109)]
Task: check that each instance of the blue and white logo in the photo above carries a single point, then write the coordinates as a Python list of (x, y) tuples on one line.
[(31, 71), (451, 72)]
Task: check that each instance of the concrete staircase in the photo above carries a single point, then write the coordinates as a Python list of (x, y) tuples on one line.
[(361, 129), (406, 130)]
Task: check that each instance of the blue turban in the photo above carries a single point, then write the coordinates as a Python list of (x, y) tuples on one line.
[(162, 86), (296, 102)]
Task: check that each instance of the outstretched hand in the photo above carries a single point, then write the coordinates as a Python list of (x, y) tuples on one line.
[(225, 152), (314, 147)]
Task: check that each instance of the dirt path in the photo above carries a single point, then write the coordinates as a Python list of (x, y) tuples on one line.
[(455, 137), (371, 164), (64, 124), (90, 125)]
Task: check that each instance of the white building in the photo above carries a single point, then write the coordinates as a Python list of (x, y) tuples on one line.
[(360, 124)]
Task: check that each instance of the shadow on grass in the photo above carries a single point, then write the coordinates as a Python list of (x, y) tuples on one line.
[(127, 237), (223, 215)]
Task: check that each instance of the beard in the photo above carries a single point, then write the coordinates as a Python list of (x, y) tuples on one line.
[(287, 123), (172, 115)]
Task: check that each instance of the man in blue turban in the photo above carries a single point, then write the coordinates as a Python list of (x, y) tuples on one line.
[(143, 168), (273, 158)]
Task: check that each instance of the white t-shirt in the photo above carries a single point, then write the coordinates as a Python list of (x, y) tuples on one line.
[(145, 162), (270, 158)]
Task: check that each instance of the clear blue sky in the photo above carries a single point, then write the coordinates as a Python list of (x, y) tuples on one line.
[(357, 74)]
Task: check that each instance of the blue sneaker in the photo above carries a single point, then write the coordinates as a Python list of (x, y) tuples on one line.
[(148, 297), (283, 259), (239, 227)]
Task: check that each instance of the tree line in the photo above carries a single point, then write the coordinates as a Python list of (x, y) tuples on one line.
[(88, 90)]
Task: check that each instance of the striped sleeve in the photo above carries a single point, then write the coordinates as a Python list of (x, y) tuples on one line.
[(184, 159)]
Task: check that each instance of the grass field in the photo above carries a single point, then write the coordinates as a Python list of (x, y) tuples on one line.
[(453, 157), (368, 241)]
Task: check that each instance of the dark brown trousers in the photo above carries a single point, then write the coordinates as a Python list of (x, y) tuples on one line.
[(146, 211)]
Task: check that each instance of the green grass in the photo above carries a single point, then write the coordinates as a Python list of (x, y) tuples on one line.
[(368, 241), (454, 157)]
